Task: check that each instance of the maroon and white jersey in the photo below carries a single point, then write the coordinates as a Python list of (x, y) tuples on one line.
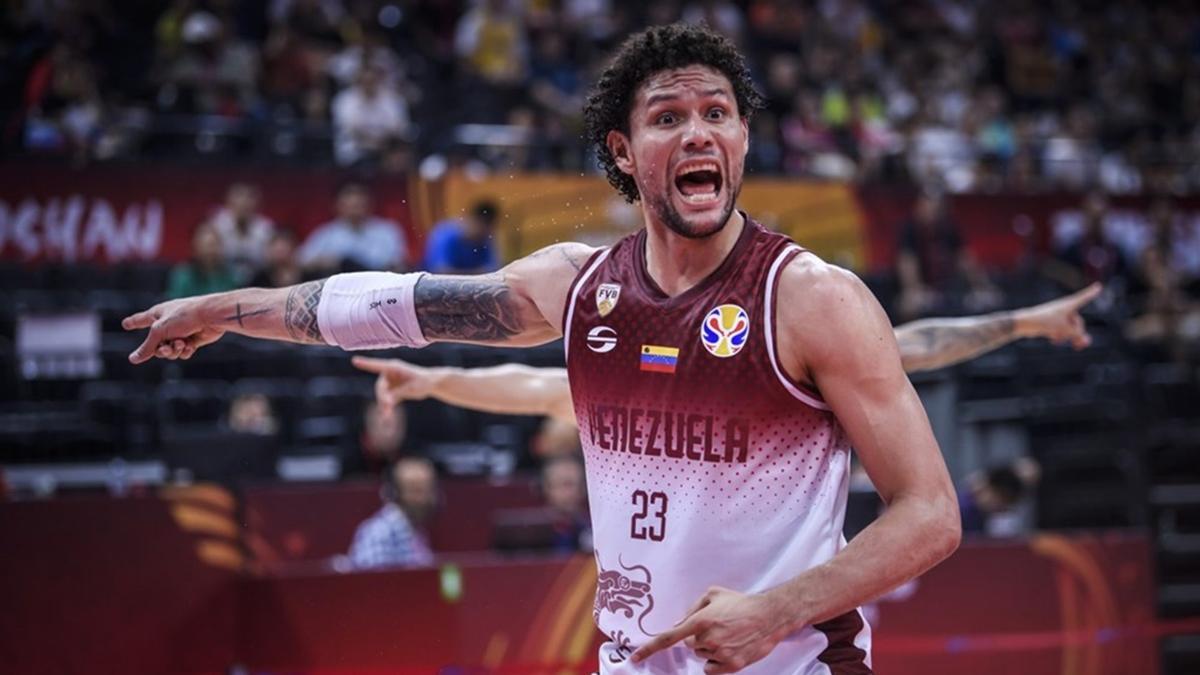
[(706, 464)]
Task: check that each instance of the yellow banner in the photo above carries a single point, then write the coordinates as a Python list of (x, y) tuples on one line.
[(537, 210)]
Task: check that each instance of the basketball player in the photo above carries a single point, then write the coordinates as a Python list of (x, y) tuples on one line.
[(719, 372), (928, 344)]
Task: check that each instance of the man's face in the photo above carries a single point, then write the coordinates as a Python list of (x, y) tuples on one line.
[(564, 487), (279, 251), (242, 201), (206, 246), (417, 484), (686, 149), (353, 204)]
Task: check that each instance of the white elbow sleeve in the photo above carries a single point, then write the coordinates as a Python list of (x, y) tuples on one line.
[(370, 310)]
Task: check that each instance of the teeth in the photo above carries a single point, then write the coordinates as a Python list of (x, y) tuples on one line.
[(699, 198), (707, 166)]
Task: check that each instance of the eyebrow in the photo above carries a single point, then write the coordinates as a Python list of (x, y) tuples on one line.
[(708, 93)]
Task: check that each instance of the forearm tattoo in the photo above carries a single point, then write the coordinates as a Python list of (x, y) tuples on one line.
[(937, 343), (466, 308), (239, 315), (300, 313)]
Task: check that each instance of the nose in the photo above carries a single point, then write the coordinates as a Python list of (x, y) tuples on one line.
[(696, 134)]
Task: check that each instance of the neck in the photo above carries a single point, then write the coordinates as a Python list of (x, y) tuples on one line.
[(677, 263)]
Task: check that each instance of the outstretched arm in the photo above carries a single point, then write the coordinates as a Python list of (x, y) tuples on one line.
[(520, 305), (936, 343), (509, 389)]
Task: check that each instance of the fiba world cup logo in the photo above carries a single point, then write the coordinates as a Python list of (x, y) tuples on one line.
[(725, 330)]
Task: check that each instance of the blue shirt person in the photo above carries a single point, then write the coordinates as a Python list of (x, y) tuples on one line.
[(466, 245)]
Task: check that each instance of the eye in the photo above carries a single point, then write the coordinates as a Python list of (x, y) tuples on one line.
[(665, 118), (716, 113)]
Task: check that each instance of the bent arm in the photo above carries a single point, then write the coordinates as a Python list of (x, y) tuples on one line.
[(855, 364)]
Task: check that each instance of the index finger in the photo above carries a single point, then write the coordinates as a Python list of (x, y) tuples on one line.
[(371, 365), (666, 639), (1082, 297), (140, 320)]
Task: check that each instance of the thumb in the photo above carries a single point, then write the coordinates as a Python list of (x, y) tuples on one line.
[(696, 607), (149, 346)]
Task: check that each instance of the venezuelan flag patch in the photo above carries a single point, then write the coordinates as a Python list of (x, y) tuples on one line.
[(656, 359)]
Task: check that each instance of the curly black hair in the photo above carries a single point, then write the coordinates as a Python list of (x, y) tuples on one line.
[(642, 55)]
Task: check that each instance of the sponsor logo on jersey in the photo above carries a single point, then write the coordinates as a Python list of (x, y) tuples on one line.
[(657, 359), (606, 298), (724, 330), (602, 339)]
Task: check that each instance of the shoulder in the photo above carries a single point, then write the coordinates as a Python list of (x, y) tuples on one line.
[(383, 226), (327, 228), (821, 285), (545, 276), (562, 257), (828, 309), (444, 231)]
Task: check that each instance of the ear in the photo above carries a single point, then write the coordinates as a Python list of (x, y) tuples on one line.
[(618, 146), (745, 137)]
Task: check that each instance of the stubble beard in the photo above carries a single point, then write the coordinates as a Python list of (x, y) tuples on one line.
[(668, 214)]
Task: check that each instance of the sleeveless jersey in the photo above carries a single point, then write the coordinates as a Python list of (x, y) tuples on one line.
[(706, 464)]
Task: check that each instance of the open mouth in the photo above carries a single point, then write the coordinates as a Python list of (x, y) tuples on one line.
[(698, 182)]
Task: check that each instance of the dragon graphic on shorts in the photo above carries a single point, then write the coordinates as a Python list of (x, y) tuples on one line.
[(620, 594)]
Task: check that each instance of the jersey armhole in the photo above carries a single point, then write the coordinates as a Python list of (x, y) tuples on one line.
[(588, 269), (801, 392)]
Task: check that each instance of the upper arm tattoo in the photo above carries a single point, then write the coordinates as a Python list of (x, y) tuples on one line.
[(479, 308), (567, 256), (937, 343), (300, 313)]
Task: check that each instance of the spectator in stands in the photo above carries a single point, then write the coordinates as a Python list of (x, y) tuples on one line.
[(936, 271), (244, 232), (251, 413), (66, 114), (556, 437), (367, 118), (355, 240), (214, 74), (1169, 268), (369, 50), (555, 82), (385, 430), (1089, 254), (394, 536), (290, 69), (991, 502), (491, 43), (280, 267), (491, 39), (464, 245), (565, 493), (206, 272)]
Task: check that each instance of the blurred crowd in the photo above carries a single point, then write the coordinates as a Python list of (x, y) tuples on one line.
[(958, 95), (239, 246)]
